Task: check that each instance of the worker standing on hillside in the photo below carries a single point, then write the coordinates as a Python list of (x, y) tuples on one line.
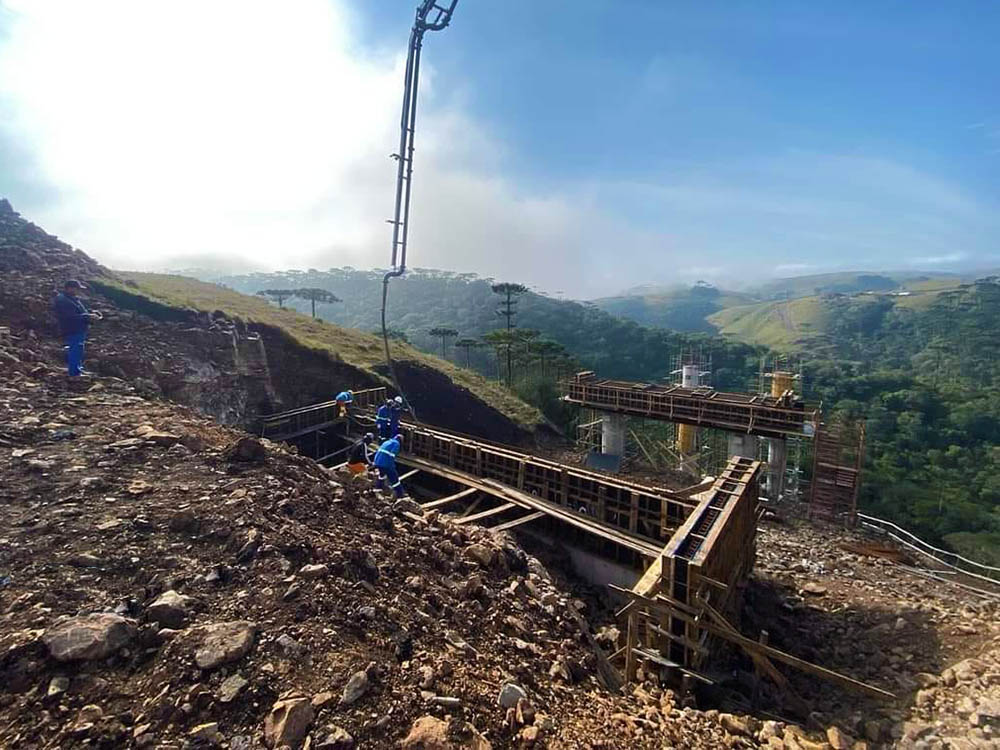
[(344, 399), (385, 464), (74, 320), (359, 456)]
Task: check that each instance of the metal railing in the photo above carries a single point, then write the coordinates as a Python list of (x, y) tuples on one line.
[(294, 422)]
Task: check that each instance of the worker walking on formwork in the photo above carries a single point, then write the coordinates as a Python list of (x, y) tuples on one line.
[(385, 464), (359, 457), (387, 417), (344, 399)]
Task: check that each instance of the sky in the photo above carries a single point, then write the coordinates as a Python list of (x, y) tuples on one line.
[(580, 146)]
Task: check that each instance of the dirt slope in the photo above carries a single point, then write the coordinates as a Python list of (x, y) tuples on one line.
[(228, 355)]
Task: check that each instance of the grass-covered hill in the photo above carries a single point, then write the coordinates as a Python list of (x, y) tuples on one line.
[(359, 349), (786, 314), (426, 299)]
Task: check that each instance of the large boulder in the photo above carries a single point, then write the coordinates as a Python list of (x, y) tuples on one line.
[(288, 722), (88, 637), (223, 642), (431, 733)]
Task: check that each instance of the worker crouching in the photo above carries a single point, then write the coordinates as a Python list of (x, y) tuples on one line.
[(359, 457), (385, 464), (344, 399)]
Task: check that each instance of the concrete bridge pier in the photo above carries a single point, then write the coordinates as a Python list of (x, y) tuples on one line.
[(744, 446), (612, 434), (777, 462)]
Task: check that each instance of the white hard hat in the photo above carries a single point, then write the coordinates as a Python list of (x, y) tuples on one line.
[(398, 399)]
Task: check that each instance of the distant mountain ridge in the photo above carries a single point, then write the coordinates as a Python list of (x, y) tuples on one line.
[(786, 314)]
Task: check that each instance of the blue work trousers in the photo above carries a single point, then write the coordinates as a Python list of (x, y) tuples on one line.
[(390, 474), (383, 431), (74, 352)]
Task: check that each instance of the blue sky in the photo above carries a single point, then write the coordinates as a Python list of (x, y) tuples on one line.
[(585, 145)]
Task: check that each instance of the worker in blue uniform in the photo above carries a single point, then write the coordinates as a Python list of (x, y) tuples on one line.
[(385, 464), (344, 399), (383, 417), (395, 411), (74, 320)]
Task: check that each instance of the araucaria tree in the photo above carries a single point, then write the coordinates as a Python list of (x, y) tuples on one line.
[(468, 345), (317, 295), (508, 309), (277, 295), (444, 334)]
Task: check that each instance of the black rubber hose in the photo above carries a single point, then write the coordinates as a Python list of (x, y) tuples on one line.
[(385, 342)]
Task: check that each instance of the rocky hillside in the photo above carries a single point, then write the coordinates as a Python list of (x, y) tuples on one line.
[(166, 582), (228, 355)]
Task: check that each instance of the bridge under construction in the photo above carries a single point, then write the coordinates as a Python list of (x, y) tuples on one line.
[(775, 418), (691, 550)]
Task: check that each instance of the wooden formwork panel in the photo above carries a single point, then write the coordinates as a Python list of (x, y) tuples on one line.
[(756, 415), (648, 511), (837, 462), (710, 555)]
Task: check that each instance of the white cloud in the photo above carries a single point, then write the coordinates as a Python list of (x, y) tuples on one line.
[(257, 134)]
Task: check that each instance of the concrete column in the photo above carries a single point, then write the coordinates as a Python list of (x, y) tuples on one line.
[(742, 445), (612, 434), (777, 462)]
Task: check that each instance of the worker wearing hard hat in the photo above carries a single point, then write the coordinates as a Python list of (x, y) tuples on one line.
[(344, 398), (385, 464), (387, 417)]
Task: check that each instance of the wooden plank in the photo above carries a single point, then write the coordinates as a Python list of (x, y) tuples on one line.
[(475, 504), (409, 474), (650, 580), (450, 499), (587, 523), (761, 662), (658, 659), (749, 644), (519, 521), (485, 514)]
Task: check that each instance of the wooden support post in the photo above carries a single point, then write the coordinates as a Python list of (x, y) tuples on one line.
[(631, 643), (520, 475), (633, 516), (758, 673)]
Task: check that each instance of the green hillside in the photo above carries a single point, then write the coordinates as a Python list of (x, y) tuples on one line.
[(678, 308), (813, 323), (426, 299), (755, 315), (926, 378), (362, 350)]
